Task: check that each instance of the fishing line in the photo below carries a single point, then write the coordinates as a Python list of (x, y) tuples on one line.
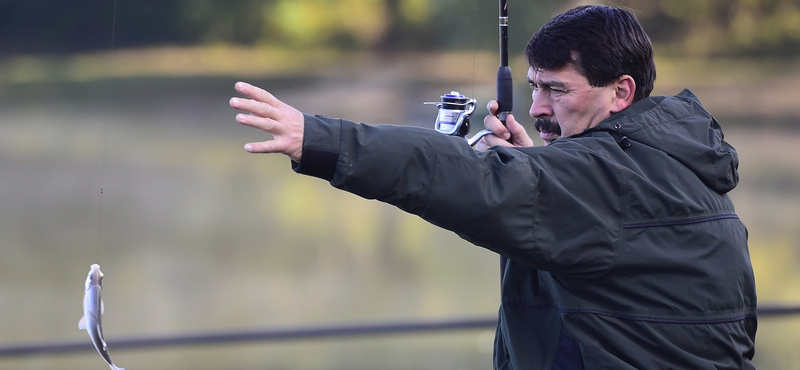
[(474, 41), (105, 138)]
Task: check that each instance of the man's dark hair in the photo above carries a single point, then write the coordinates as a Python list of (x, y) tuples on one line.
[(603, 43)]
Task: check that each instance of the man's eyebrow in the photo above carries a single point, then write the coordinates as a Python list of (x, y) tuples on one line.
[(556, 84)]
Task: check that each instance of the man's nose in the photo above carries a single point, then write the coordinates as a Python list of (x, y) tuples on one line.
[(540, 108)]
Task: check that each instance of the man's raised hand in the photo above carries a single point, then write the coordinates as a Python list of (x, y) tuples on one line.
[(267, 113), (511, 134)]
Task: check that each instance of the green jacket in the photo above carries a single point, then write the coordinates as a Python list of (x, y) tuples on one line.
[(623, 249)]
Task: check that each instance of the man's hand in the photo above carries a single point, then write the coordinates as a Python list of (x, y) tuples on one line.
[(513, 134), (285, 123)]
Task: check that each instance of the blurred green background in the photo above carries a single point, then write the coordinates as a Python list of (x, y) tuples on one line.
[(195, 234)]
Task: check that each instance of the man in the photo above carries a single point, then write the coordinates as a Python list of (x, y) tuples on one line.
[(621, 248)]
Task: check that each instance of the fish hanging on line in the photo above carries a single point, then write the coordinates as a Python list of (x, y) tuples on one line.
[(92, 313)]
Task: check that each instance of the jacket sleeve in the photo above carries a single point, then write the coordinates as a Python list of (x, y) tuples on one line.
[(488, 198)]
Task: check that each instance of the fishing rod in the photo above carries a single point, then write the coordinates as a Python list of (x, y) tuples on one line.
[(505, 89), (287, 334), (455, 109)]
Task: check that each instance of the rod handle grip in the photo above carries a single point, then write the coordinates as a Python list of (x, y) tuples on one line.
[(505, 93)]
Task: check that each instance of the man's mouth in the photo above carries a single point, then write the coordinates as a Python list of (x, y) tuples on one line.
[(549, 130)]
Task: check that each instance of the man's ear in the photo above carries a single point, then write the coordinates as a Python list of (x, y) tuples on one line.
[(625, 88)]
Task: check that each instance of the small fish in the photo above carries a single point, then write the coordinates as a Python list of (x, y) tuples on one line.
[(92, 312)]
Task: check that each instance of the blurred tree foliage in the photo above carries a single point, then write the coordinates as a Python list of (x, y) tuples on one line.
[(721, 27), (681, 27)]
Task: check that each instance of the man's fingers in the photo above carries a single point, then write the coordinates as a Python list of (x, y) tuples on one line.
[(269, 114), (492, 140), (255, 107), (492, 107), (493, 124), (261, 102), (269, 146), (256, 93), (267, 124), (518, 133), (512, 131)]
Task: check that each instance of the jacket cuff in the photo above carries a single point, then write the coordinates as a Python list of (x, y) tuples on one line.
[(321, 139)]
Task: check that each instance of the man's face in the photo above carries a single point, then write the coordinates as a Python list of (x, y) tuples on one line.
[(566, 97)]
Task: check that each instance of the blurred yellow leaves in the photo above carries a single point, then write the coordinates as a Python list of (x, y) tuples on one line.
[(753, 22), (307, 22), (682, 9), (363, 22), (415, 11), (721, 27)]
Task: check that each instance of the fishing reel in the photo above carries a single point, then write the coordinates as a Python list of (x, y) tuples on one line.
[(455, 111)]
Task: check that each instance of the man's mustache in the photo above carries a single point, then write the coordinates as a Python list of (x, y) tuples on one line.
[(548, 126)]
